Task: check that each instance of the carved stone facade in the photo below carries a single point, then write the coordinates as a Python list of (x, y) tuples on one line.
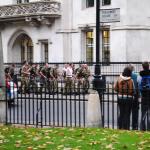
[(64, 30), (48, 9), (34, 22)]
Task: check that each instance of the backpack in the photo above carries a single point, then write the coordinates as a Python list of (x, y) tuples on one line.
[(145, 83), (125, 87)]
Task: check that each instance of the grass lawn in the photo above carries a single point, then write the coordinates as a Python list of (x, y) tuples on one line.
[(19, 138)]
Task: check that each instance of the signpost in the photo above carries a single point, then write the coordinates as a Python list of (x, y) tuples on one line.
[(109, 15), (102, 16)]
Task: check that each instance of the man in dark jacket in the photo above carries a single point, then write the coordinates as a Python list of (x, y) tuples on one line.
[(145, 96)]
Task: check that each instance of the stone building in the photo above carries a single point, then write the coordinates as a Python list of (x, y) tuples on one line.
[(64, 30)]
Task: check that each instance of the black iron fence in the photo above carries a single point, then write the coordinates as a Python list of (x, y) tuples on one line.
[(46, 108), (56, 107)]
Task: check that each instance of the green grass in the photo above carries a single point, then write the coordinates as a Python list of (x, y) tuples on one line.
[(13, 138)]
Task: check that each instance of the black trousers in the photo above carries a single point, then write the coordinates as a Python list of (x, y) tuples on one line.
[(124, 112), (135, 113), (145, 113)]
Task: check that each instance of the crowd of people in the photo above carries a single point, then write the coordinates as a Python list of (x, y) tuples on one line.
[(130, 86), (36, 78)]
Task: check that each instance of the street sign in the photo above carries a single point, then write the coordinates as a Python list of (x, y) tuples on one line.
[(110, 15)]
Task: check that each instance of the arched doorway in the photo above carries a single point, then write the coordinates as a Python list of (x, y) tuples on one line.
[(26, 47), (20, 48)]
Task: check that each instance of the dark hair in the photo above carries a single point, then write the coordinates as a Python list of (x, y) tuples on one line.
[(127, 72), (24, 62), (145, 65), (13, 65)]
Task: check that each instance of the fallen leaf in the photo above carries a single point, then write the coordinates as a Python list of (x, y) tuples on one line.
[(47, 137), (1, 141), (67, 148), (36, 138), (18, 142), (29, 148), (18, 145), (60, 146), (49, 143), (110, 146), (42, 146)]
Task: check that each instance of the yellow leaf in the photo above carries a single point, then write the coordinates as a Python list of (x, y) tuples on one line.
[(18, 142), (36, 138), (110, 146), (140, 148), (17, 145), (2, 137), (47, 137), (67, 148), (60, 146), (29, 148), (42, 146), (1, 141), (49, 143)]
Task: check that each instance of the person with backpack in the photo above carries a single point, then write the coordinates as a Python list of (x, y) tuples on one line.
[(124, 87), (144, 86), (135, 103)]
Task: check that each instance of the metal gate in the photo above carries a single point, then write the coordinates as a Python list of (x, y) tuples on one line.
[(46, 109)]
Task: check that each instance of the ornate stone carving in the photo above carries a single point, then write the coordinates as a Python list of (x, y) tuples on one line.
[(45, 8)]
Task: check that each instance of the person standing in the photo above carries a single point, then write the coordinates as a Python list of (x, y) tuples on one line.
[(63, 80), (86, 74), (79, 77), (144, 85), (124, 86), (135, 103), (13, 73), (69, 81), (56, 75), (25, 74), (44, 74), (32, 82)]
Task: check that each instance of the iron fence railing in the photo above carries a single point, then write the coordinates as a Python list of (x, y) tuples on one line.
[(47, 108), (56, 107), (61, 109)]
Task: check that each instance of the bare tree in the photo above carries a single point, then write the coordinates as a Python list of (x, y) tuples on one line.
[(2, 85)]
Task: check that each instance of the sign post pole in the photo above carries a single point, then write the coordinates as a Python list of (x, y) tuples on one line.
[(98, 82)]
